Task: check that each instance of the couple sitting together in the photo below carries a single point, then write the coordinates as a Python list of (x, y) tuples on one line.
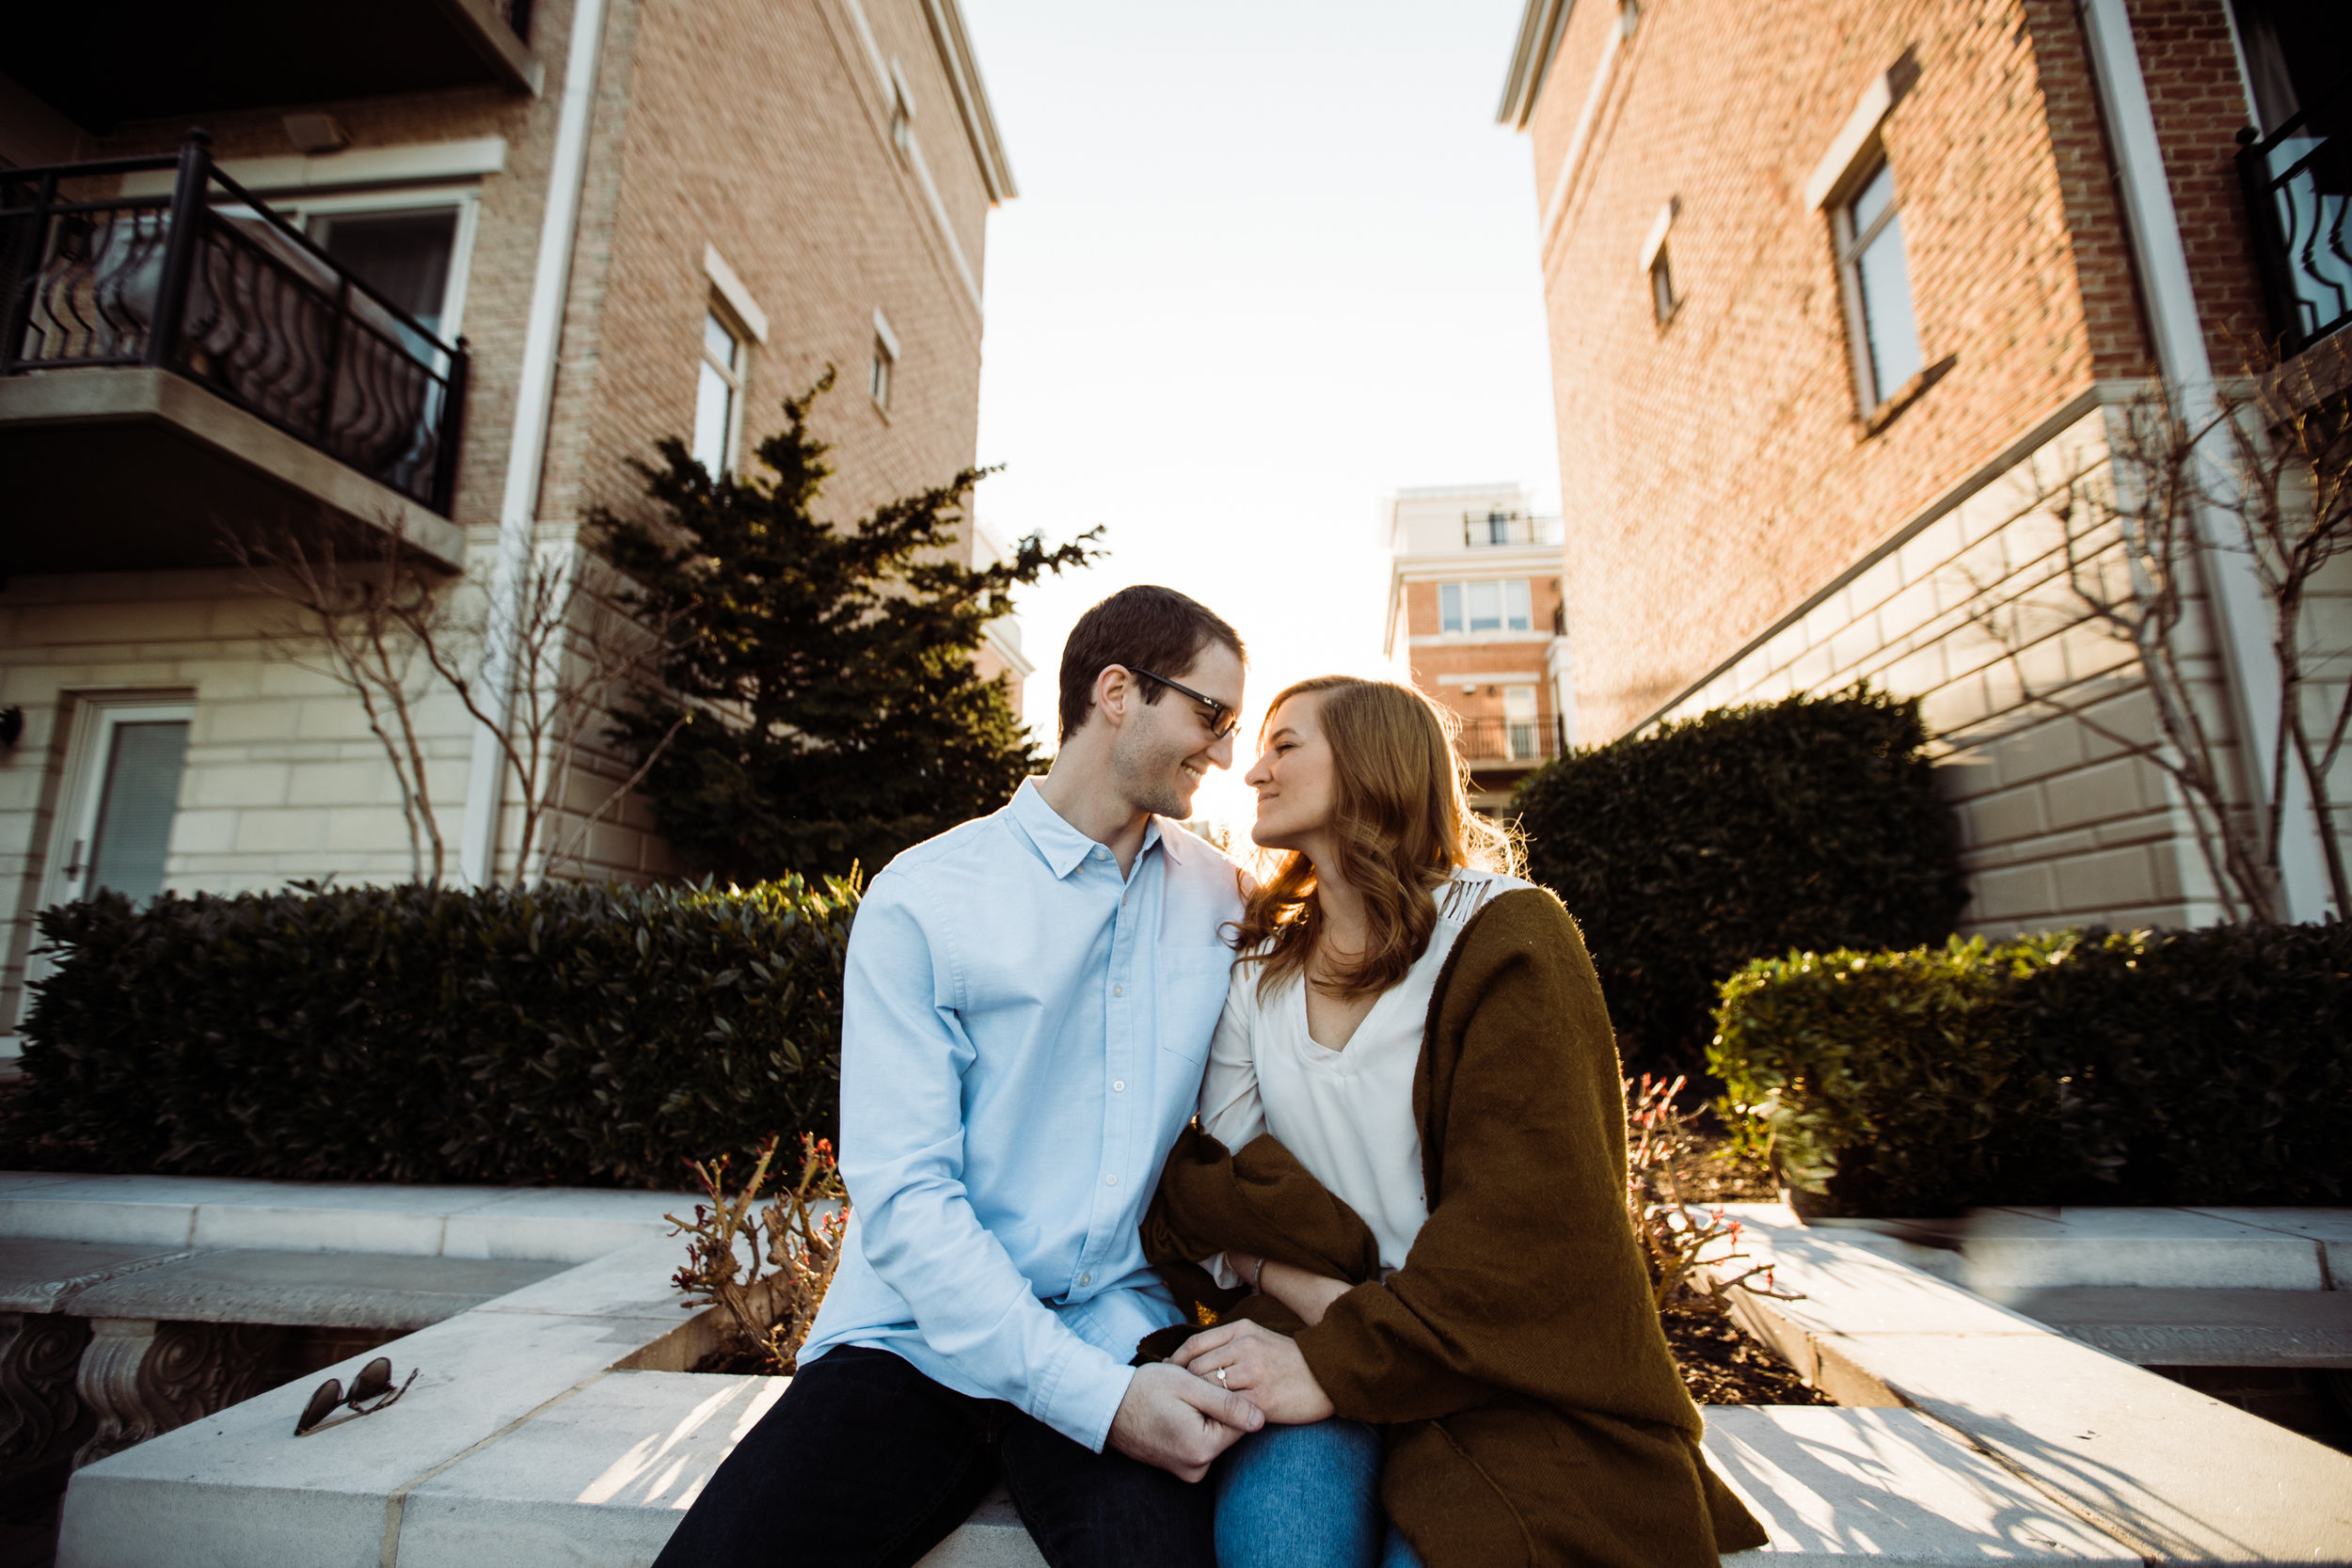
[(1274, 1224)]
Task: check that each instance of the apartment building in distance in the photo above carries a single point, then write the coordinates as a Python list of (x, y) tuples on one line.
[(1475, 623), (437, 269), (1836, 290)]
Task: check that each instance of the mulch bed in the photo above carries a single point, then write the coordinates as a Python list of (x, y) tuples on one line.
[(1721, 1365)]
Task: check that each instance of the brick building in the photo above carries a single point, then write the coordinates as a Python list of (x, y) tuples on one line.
[(1475, 621), (637, 217), (1833, 288)]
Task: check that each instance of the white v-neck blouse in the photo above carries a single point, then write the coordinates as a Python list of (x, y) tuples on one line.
[(1347, 1114)]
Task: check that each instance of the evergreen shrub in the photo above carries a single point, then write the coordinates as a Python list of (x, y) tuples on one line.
[(589, 1036), (2209, 1067), (1808, 823)]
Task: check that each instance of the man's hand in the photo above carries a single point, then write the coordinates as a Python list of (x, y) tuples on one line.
[(1261, 1364), (1179, 1422)]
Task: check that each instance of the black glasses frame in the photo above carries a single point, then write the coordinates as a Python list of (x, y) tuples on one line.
[(1223, 720), (371, 1391)]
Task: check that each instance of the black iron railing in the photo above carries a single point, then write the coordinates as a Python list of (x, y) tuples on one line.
[(1482, 529), (207, 282), (2298, 182), (1491, 741)]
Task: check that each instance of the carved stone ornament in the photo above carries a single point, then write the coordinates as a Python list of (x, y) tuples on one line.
[(142, 1378), (42, 1420)]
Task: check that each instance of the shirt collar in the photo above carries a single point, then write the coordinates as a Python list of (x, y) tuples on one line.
[(1063, 847)]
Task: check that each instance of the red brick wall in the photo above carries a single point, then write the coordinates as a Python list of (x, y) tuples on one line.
[(1717, 468)]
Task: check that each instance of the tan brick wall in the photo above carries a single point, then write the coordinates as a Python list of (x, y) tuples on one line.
[(1717, 468)]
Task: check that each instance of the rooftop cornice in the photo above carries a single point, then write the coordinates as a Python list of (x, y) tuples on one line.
[(1540, 26), (971, 93)]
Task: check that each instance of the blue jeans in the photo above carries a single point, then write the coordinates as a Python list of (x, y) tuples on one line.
[(1306, 1497)]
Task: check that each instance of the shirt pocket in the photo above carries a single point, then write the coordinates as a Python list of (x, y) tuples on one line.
[(1192, 985)]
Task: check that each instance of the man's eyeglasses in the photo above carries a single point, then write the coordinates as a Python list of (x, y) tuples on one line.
[(1223, 720), (371, 1391)]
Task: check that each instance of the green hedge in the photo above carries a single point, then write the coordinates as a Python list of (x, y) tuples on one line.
[(1808, 823), (2194, 1068), (575, 1035)]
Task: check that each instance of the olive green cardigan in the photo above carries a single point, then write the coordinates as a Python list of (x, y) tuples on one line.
[(1534, 1413)]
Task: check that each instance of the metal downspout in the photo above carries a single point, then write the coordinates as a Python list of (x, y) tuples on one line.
[(526, 455)]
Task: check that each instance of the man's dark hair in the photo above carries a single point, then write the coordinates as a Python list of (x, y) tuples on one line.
[(1145, 627)]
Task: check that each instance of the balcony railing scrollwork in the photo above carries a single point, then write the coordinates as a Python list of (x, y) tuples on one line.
[(2298, 183), (210, 284)]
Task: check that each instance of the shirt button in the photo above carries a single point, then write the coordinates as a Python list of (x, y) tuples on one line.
[(1119, 1085), (1118, 990), (1110, 1182), (1086, 1279)]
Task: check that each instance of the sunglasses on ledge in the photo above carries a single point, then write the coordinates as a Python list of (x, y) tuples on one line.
[(371, 1391), (1223, 720)]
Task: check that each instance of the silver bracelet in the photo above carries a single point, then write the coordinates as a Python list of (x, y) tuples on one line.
[(1257, 1273)]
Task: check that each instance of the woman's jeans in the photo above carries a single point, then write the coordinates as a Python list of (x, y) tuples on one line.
[(1306, 1497)]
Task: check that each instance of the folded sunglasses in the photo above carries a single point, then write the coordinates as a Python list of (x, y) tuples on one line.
[(371, 1391)]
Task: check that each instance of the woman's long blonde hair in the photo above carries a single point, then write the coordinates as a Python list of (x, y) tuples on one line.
[(1400, 825)]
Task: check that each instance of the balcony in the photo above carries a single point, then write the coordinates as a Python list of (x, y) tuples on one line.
[(102, 65), (1490, 529), (2297, 181), (1491, 745), (178, 368)]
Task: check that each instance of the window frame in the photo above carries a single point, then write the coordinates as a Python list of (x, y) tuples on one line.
[(298, 208), (88, 750), (735, 376), (1850, 245), (1512, 596)]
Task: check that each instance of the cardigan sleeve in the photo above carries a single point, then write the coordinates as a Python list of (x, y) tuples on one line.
[(1527, 1278)]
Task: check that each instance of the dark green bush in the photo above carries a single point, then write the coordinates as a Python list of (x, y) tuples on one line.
[(1808, 823), (2199, 1067), (576, 1035)]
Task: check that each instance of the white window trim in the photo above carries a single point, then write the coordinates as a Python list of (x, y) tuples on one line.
[(731, 289), (298, 209), (1503, 597), (1850, 245), (737, 377), (95, 720), (887, 341), (357, 165)]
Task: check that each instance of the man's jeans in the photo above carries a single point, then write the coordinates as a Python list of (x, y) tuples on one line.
[(865, 1462)]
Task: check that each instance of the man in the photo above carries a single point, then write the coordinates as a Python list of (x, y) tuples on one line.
[(1027, 1009)]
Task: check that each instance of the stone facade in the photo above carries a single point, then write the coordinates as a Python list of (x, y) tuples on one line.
[(1743, 524), (818, 173)]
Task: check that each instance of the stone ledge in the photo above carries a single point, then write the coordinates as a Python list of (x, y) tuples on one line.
[(2199, 1328), (2180, 1476)]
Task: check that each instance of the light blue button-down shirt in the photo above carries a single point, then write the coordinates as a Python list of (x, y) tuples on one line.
[(1023, 1036)]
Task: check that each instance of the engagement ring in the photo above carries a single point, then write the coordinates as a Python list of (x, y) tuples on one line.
[(1220, 1374)]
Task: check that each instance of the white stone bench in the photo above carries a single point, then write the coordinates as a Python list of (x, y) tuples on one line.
[(555, 1425)]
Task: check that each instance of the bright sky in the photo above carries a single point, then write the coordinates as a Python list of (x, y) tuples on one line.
[(1269, 262)]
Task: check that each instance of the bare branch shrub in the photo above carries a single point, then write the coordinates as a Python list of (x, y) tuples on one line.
[(391, 627), (2271, 464), (803, 1225), (1692, 1254)]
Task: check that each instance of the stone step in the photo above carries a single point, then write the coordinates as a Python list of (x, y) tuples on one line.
[(232, 1285), (2198, 1328)]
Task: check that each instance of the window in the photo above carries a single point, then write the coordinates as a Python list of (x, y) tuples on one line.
[(1661, 288), (878, 379), (717, 395), (901, 126), (1476, 606), (126, 793), (1518, 719), (403, 254), (1878, 289), (1498, 528)]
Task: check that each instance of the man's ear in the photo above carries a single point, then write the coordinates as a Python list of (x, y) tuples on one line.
[(1115, 691)]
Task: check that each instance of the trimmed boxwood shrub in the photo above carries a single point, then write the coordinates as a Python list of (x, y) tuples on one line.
[(1809, 823), (2190, 1067), (576, 1035)]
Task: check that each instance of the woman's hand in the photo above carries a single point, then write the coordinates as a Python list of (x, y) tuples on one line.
[(1261, 1365)]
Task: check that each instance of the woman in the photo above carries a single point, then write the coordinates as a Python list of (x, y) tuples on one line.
[(1408, 1183)]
